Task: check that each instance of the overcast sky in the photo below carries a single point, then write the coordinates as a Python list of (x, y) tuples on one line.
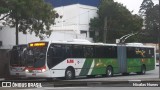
[(133, 5)]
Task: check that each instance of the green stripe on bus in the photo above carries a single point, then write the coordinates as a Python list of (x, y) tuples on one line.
[(134, 64), (86, 66), (101, 65)]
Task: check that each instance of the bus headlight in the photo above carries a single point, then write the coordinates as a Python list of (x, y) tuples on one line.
[(43, 70), (26, 70)]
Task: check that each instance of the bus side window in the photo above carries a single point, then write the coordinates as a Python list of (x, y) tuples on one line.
[(100, 51), (67, 51), (131, 52), (88, 51), (50, 56), (149, 52), (55, 54), (78, 51), (111, 52)]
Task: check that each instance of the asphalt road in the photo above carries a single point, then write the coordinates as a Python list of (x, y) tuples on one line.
[(88, 88)]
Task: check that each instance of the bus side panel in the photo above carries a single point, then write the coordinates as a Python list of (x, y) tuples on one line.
[(149, 62), (85, 67), (100, 65), (138, 56), (134, 65), (76, 63)]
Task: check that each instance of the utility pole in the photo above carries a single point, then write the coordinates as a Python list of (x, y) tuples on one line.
[(105, 31), (159, 38)]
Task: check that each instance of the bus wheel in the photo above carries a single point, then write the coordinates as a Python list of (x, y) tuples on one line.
[(69, 74), (109, 71), (143, 70)]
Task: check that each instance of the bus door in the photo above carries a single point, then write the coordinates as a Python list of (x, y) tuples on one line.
[(122, 58)]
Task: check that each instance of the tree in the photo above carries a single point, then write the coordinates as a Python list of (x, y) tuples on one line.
[(152, 24), (3, 8), (150, 14), (29, 16), (146, 4), (120, 21)]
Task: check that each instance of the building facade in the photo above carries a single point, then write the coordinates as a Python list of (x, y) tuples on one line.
[(72, 23)]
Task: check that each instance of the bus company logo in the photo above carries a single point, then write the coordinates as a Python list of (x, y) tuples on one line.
[(141, 52), (6, 84), (70, 61)]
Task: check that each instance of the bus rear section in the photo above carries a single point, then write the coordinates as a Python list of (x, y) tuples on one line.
[(135, 58), (17, 61)]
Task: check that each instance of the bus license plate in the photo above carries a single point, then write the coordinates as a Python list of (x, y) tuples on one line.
[(34, 74), (17, 74)]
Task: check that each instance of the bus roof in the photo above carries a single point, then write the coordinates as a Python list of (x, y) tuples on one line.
[(85, 42), (138, 45)]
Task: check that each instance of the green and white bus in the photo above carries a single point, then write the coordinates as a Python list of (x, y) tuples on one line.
[(48, 59)]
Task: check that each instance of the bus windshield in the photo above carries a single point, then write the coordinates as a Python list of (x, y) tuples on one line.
[(35, 56), (17, 55)]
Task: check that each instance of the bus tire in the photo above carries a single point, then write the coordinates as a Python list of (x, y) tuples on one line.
[(109, 71), (69, 74), (143, 70)]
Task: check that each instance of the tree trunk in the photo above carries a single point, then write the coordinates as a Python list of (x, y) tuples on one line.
[(17, 32)]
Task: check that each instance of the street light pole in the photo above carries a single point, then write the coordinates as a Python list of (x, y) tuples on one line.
[(105, 31), (159, 38)]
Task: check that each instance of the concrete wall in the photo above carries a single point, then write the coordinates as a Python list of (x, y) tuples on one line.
[(7, 36), (4, 63), (74, 17)]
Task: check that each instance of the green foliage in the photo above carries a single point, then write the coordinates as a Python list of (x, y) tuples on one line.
[(152, 24), (30, 16), (150, 14), (146, 4), (120, 22), (3, 7)]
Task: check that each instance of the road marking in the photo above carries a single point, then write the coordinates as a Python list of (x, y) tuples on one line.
[(64, 88), (134, 80)]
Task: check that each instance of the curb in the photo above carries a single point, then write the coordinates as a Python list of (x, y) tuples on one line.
[(2, 79)]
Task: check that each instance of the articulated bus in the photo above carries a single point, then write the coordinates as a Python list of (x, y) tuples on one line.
[(17, 60), (71, 59)]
